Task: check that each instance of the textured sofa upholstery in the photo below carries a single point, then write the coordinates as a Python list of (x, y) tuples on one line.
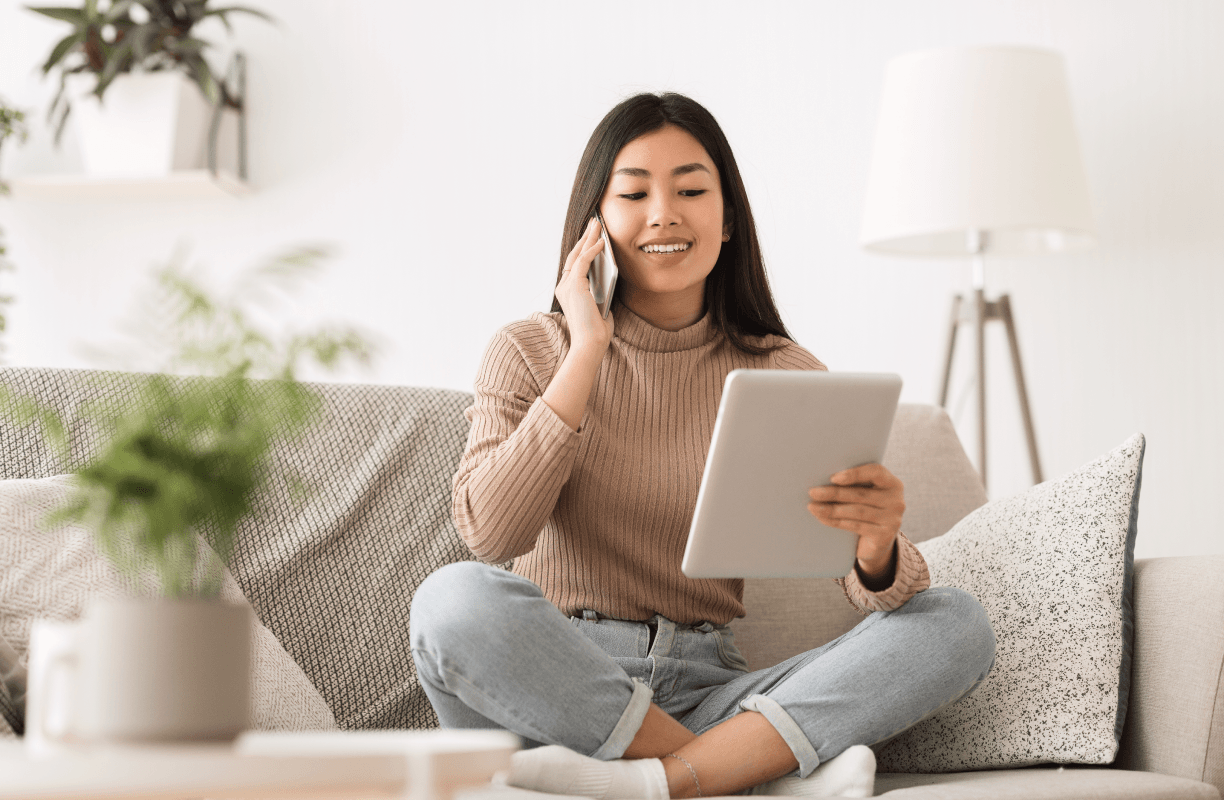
[(333, 578)]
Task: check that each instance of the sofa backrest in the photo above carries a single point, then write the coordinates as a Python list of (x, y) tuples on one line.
[(333, 576)]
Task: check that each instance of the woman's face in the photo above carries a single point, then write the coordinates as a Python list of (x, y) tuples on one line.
[(663, 209)]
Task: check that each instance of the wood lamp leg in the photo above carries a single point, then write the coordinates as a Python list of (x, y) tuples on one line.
[(1006, 315), (979, 313), (947, 374), (979, 322)]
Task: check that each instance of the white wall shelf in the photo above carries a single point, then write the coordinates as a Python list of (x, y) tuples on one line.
[(196, 184)]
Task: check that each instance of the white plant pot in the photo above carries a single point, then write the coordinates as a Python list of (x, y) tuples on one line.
[(143, 671), (147, 125), (166, 670)]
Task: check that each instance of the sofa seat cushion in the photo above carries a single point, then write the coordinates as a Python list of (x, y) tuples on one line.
[(1044, 783), (1038, 783)]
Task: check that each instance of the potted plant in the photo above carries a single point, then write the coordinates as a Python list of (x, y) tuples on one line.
[(12, 126), (180, 463), (146, 59)]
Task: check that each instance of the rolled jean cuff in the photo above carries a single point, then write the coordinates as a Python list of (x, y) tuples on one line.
[(787, 728), (628, 725)]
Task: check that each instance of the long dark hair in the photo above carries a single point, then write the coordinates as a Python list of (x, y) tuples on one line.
[(737, 293)]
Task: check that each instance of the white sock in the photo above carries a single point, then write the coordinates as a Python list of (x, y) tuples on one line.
[(850, 774), (559, 770)]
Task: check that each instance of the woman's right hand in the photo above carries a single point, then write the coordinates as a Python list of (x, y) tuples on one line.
[(589, 331)]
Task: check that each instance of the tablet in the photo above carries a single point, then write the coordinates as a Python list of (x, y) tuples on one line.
[(778, 433)]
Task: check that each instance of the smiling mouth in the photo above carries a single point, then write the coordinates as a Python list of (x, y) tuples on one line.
[(665, 248)]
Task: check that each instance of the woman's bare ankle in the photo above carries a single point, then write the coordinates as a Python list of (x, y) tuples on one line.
[(682, 780), (659, 735), (737, 754)]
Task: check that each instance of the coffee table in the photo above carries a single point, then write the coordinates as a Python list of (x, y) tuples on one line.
[(421, 765)]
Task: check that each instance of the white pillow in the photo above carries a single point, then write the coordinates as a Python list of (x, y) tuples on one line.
[(53, 574), (1053, 568)]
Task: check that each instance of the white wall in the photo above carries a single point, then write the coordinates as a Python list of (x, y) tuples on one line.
[(433, 145)]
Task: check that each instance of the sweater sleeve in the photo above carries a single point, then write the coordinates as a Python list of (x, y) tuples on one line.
[(519, 453), (912, 577)]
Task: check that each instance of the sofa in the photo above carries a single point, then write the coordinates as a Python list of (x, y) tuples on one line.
[(332, 573)]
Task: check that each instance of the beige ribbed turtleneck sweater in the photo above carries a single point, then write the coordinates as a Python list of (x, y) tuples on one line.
[(599, 518)]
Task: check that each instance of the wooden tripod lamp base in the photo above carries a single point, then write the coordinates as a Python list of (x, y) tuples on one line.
[(977, 313)]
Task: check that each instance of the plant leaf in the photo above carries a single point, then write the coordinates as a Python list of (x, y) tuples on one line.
[(73, 15), (186, 46), (141, 40), (62, 49), (221, 15), (118, 61), (118, 11), (205, 80), (239, 10), (61, 106)]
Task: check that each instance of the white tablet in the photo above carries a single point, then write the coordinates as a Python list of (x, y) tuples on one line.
[(778, 433)]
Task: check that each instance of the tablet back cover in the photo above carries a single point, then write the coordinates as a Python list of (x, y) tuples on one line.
[(778, 433)]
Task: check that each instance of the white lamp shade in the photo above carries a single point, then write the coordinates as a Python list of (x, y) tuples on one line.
[(976, 139)]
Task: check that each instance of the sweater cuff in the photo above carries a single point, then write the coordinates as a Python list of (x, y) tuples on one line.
[(912, 577)]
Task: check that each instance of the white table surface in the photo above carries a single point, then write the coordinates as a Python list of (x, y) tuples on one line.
[(421, 765)]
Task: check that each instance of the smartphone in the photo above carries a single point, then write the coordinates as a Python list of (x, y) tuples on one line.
[(603, 272)]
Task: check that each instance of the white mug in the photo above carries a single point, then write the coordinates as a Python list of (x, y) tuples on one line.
[(51, 685), (139, 671)]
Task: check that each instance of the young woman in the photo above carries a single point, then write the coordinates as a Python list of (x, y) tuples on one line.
[(586, 449)]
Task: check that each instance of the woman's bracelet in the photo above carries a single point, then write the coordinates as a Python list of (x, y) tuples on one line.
[(692, 771)]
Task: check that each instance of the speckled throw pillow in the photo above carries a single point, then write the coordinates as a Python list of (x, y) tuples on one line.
[(1053, 568)]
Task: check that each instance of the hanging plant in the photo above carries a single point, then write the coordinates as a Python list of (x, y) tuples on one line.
[(135, 35)]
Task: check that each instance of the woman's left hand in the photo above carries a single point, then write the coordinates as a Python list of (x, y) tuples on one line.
[(868, 501)]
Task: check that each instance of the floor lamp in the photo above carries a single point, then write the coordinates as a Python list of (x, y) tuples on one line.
[(975, 154)]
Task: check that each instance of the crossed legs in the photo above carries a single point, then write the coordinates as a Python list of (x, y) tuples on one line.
[(492, 652)]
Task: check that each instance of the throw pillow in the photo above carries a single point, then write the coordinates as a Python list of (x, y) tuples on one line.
[(1052, 566), (54, 573)]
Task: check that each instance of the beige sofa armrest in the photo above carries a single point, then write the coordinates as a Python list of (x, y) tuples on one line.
[(1175, 716)]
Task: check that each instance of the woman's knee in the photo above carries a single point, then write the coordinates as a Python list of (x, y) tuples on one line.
[(460, 599), (960, 620)]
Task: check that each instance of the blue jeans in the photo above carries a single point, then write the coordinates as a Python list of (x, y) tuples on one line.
[(492, 652)]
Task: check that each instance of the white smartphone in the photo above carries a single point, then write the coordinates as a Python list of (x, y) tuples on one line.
[(603, 272)]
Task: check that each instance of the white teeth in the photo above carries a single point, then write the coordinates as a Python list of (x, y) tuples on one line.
[(664, 248)]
